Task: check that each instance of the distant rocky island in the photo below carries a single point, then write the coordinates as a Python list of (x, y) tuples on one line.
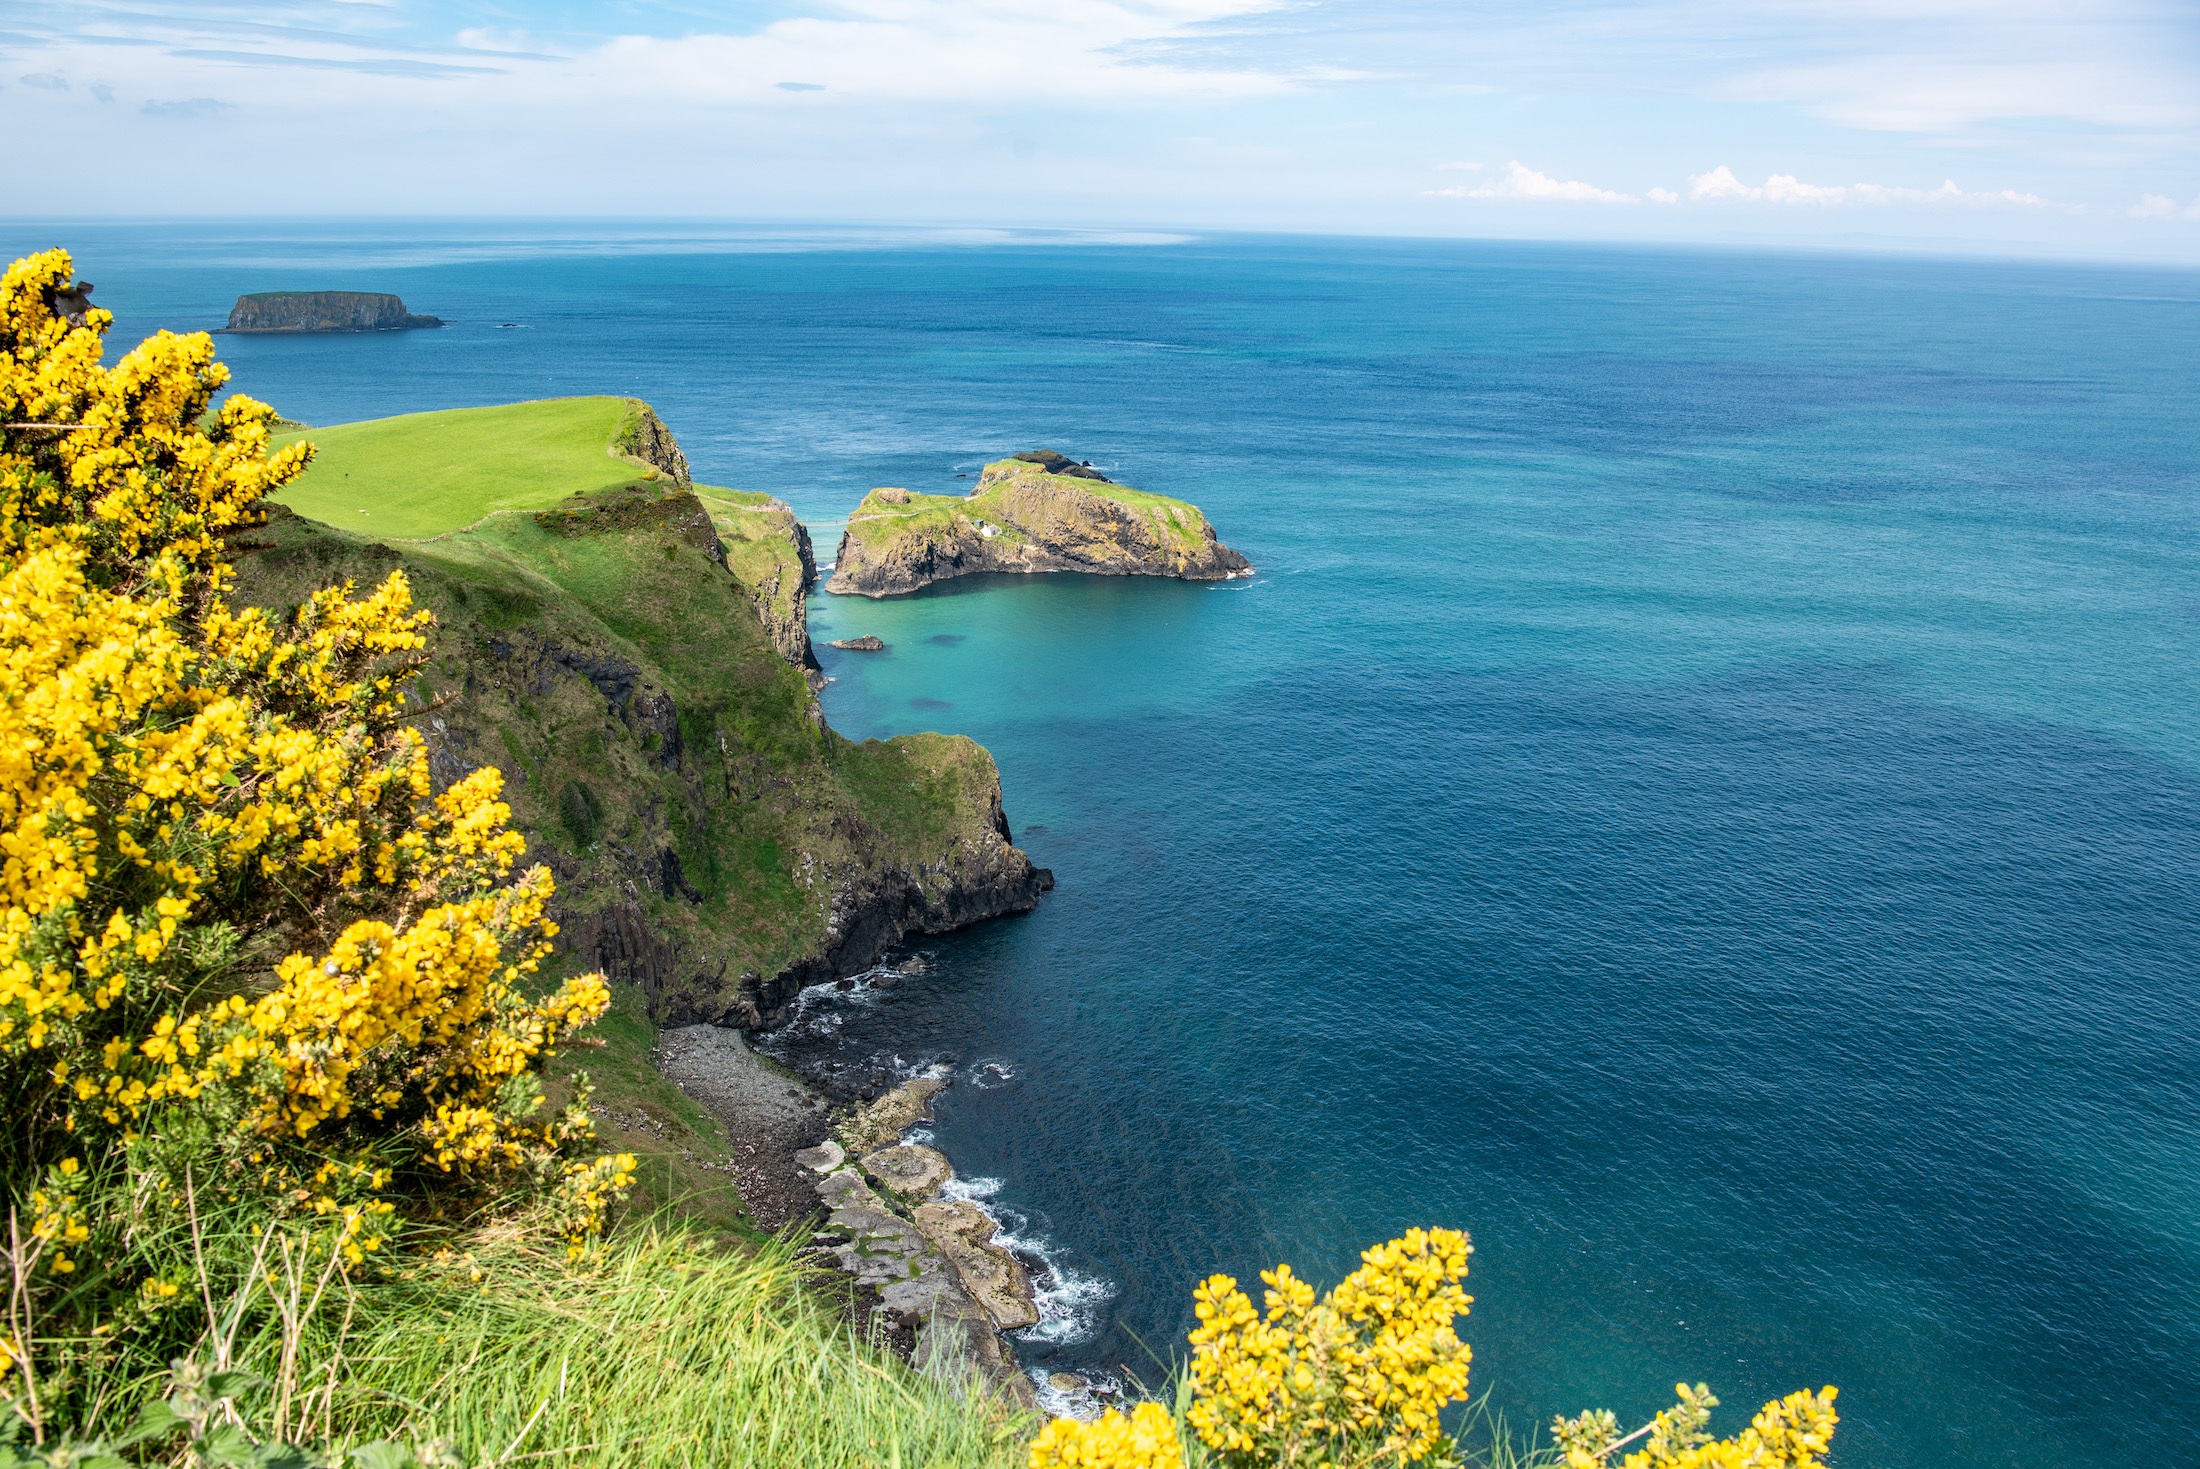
[(324, 311), (1037, 511)]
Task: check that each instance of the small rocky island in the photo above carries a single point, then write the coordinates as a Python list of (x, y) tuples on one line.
[(324, 311), (1038, 511)]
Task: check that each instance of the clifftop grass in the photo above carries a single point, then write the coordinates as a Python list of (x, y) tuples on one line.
[(426, 474)]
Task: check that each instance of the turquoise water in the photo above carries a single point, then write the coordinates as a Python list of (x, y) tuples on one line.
[(1702, 791)]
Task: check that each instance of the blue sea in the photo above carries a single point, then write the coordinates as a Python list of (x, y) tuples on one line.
[(1703, 791)]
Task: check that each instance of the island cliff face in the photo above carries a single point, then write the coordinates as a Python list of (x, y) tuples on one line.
[(1036, 512), (324, 311), (631, 659)]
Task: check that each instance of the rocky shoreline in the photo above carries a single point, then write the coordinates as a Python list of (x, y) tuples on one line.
[(926, 1268)]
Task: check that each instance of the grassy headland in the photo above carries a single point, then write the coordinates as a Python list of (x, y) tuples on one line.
[(423, 474), (715, 842)]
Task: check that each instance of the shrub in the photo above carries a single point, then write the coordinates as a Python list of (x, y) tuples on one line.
[(249, 958), (1360, 1377)]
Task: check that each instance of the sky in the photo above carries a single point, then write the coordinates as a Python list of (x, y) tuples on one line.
[(2046, 127)]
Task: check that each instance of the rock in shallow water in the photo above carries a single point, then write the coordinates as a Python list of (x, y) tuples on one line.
[(909, 1169), (890, 1116), (991, 1276)]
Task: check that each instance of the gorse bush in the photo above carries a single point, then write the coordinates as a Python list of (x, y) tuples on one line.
[(250, 960), (1361, 1377)]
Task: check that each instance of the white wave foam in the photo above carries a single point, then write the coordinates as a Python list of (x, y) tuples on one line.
[(1096, 1393), (1069, 1300), (976, 1190), (819, 1010), (987, 1075)]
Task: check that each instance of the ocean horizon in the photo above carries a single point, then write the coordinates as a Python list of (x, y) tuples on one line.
[(1702, 791)]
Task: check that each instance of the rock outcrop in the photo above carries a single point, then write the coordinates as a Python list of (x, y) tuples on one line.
[(643, 438), (1036, 512), (769, 550), (324, 311), (933, 1261)]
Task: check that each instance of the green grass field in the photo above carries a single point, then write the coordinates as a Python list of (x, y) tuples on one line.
[(424, 474)]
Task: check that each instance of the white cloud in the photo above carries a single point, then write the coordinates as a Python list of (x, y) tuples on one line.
[(2162, 206), (1664, 196), (974, 54), (1720, 184), (1952, 96), (188, 107), (1100, 53), (1523, 182)]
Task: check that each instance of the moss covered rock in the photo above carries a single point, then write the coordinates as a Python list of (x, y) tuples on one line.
[(1035, 512)]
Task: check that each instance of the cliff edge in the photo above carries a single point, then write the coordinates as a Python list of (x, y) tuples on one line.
[(629, 657), (324, 311), (1039, 511)]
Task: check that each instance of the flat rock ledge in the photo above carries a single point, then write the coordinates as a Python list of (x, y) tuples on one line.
[(935, 1268)]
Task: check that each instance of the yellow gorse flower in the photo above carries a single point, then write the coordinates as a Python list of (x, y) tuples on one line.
[(1146, 1439), (1789, 1433), (1360, 1377), (1366, 1369), (188, 789)]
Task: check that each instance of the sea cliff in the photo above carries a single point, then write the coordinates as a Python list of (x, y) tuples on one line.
[(324, 311), (1035, 512), (637, 674)]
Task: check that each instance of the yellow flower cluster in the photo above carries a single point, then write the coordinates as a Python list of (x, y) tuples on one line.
[(586, 1193), (1358, 1378), (1793, 1432), (189, 789), (57, 1220), (1364, 1370), (1144, 1440)]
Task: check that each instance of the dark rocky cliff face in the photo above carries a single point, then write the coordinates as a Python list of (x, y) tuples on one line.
[(642, 436), (324, 311)]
